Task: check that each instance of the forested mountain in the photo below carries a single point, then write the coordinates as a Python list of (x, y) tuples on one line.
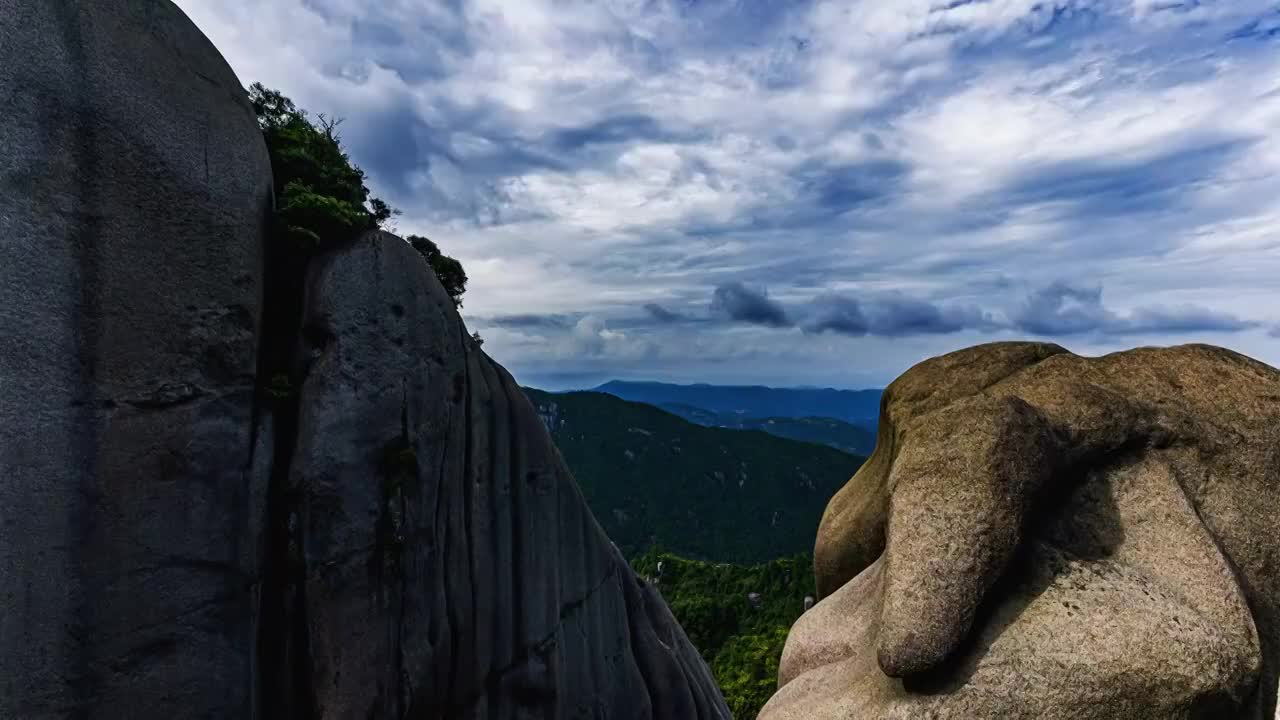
[(702, 492)]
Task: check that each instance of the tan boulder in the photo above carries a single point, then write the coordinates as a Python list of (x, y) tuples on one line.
[(1044, 535)]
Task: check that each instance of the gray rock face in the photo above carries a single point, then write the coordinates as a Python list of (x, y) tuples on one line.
[(451, 568), (1042, 535), (134, 186), (399, 539)]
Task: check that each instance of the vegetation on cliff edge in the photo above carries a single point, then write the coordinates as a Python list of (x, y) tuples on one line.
[(321, 196)]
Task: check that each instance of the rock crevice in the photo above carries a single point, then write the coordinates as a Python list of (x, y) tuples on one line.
[(408, 434)]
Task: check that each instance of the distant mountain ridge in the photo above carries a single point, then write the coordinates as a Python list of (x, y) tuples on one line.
[(850, 438), (652, 478), (858, 407)]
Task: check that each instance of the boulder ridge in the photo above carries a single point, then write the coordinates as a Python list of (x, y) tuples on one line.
[(1043, 535)]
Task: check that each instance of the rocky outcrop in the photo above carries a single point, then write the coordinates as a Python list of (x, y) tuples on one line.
[(1041, 535), (448, 565), (352, 513), (134, 190)]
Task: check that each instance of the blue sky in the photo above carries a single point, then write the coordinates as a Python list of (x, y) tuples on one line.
[(808, 193)]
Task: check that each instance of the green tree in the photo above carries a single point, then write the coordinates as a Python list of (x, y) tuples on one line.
[(747, 669), (449, 270), (321, 197), (737, 616), (321, 202)]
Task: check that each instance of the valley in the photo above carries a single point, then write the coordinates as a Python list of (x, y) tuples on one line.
[(655, 479), (720, 519)]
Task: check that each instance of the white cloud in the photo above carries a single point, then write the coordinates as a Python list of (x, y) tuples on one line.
[(584, 159)]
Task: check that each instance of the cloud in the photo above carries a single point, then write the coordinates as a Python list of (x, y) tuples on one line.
[(1062, 309), (1101, 187), (894, 315), (663, 315), (845, 186), (883, 168), (739, 303), (897, 316), (1183, 319), (528, 320), (1260, 29), (839, 315), (627, 128), (592, 338)]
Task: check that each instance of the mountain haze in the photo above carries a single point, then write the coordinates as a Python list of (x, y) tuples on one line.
[(860, 407), (824, 431)]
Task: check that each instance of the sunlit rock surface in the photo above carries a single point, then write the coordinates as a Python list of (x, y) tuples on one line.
[(1043, 535)]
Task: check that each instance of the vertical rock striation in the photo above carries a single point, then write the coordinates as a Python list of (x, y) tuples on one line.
[(398, 538), (134, 189), (449, 565)]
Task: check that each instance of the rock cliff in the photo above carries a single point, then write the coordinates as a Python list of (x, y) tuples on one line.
[(390, 535), (1042, 535), (134, 188), (449, 566)]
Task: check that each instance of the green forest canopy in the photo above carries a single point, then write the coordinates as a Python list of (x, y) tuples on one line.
[(706, 493), (737, 616)]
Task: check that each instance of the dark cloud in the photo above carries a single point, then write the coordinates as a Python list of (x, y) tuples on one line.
[(844, 187), (391, 144), (417, 47), (899, 315), (376, 33), (663, 315), (894, 316), (1187, 319), (453, 174), (1261, 29), (462, 159), (1063, 309), (1104, 187), (739, 303), (838, 315), (615, 130), (527, 321)]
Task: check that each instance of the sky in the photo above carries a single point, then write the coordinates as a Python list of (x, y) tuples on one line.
[(807, 193)]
